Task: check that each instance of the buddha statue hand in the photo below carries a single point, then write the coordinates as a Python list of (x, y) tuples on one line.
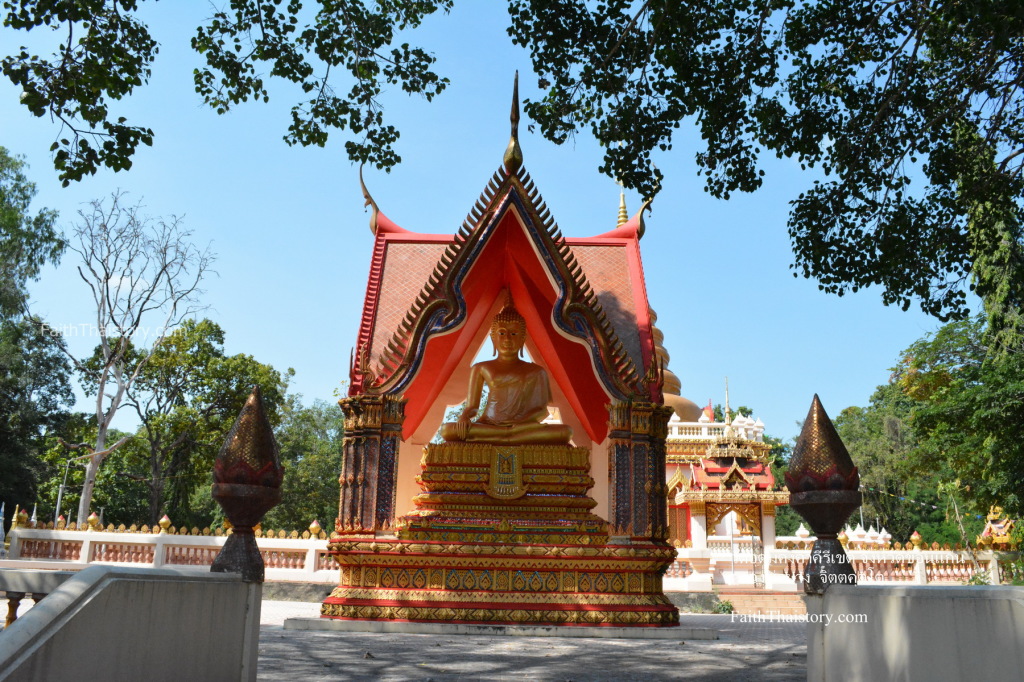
[(460, 429)]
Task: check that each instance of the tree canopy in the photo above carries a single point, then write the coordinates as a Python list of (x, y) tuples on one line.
[(911, 112), (27, 240), (969, 399), (938, 441), (105, 51), (187, 397), (144, 276), (310, 439), (34, 377)]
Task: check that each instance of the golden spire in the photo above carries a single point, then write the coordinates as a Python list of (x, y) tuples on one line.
[(513, 153), (623, 216)]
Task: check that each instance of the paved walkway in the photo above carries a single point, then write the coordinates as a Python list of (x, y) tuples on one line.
[(747, 650)]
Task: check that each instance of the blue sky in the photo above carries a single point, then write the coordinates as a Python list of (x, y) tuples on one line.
[(293, 245)]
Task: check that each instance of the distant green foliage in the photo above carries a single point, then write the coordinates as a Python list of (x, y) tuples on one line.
[(722, 607), (35, 392), (939, 435), (970, 396), (121, 491), (310, 439), (35, 386), (186, 397), (27, 241)]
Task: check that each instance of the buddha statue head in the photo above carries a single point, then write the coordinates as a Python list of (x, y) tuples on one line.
[(508, 330)]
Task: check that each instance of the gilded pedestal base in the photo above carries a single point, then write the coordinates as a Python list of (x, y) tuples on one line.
[(502, 535), (491, 583)]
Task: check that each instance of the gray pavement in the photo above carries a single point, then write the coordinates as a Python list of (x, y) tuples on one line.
[(747, 650)]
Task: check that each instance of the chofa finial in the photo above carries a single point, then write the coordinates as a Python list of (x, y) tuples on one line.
[(513, 153), (369, 202)]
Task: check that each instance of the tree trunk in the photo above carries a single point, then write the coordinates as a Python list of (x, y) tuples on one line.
[(156, 494), (91, 469)]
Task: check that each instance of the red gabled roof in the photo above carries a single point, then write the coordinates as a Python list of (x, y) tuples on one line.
[(430, 298), (712, 475)]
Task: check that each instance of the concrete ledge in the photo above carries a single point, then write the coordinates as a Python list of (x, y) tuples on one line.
[(33, 580), (114, 623), (398, 627), (916, 634)]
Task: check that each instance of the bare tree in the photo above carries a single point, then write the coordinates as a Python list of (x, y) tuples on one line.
[(144, 276)]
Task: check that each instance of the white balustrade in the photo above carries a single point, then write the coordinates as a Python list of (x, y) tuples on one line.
[(286, 559), (881, 566)]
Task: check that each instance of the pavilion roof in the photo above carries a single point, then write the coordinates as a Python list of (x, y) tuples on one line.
[(430, 298), (715, 474)]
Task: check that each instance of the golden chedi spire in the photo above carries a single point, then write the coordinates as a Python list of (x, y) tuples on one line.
[(623, 216), (513, 153)]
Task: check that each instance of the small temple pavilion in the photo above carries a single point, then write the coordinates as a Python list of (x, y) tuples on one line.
[(551, 523), (719, 480)]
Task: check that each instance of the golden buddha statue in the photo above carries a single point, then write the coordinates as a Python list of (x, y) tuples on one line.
[(517, 393)]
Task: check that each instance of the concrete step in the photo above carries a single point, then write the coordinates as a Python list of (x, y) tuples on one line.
[(761, 602)]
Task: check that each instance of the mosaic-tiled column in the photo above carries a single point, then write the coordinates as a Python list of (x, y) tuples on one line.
[(619, 467), (637, 462), (369, 462)]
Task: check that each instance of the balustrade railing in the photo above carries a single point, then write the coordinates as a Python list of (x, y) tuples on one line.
[(894, 566), (679, 569), (287, 555)]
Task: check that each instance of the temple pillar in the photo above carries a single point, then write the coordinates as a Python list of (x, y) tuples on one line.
[(768, 524), (698, 526), (701, 580), (768, 543), (373, 432), (619, 456), (636, 460)]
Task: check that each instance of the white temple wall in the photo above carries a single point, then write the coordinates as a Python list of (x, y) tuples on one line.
[(410, 453)]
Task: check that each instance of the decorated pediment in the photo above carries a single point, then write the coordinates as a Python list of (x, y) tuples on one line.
[(430, 297)]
